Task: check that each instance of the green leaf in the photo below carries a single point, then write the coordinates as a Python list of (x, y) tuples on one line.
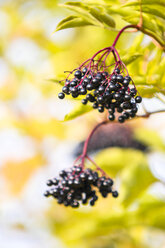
[(150, 137), (107, 19), (72, 22), (146, 2), (127, 59), (57, 81), (135, 180), (113, 160), (150, 26), (102, 17), (94, 15), (82, 10), (79, 110)]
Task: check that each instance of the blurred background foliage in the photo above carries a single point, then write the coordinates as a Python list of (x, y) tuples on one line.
[(36, 142)]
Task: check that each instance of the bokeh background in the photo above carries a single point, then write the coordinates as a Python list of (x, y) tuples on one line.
[(35, 142)]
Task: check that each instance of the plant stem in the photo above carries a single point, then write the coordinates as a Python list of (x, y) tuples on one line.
[(84, 153), (122, 30)]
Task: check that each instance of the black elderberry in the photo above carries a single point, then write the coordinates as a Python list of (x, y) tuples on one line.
[(127, 97), (86, 81), (84, 70), (119, 109), (77, 74), (49, 183), (61, 95), (83, 91), (101, 89), (101, 109), (128, 78), (74, 90), (73, 84), (90, 98), (138, 99), (125, 82), (126, 115), (65, 89), (119, 78), (117, 96), (117, 70), (111, 111), (121, 119), (100, 99), (95, 82), (106, 88), (95, 105), (112, 87), (89, 87), (111, 117), (115, 194), (84, 101), (75, 94), (114, 78), (133, 92)]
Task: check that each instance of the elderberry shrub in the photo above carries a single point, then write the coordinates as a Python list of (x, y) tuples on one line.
[(114, 92), (79, 186)]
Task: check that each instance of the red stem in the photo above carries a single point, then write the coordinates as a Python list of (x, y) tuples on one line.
[(122, 30), (88, 139)]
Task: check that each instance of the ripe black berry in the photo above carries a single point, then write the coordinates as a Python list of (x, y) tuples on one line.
[(138, 99), (78, 185), (121, 119), (107, 88), (111, 117), (61, 95), (84, 101), (77, 74), (101, 109)]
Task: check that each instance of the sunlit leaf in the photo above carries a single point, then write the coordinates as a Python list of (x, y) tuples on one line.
[(72, 22), (79, 110), (129, 58), (135, 180)]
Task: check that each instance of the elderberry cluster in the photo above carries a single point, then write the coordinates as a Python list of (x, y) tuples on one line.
[(79, 185), (114, 92)]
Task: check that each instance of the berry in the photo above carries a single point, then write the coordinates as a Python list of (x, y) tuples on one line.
[(138, 99), (95, 105), (117, 70), (115, 194), (84, 101), (89, 87), (83, 91), (111, 117), (101, 109), (65, 89), (78, 185), (112, 91), (121, 119), (77, 74), (61, 95)]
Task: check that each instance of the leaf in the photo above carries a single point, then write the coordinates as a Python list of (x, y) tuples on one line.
[(82, 10), (146, 2), (127, 59), (135, 180), (94, 15), (80, 109), (150, 26), (107, 19), (72, 22), (102, 17), (150, 137), (57, 81), (113, 160)]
